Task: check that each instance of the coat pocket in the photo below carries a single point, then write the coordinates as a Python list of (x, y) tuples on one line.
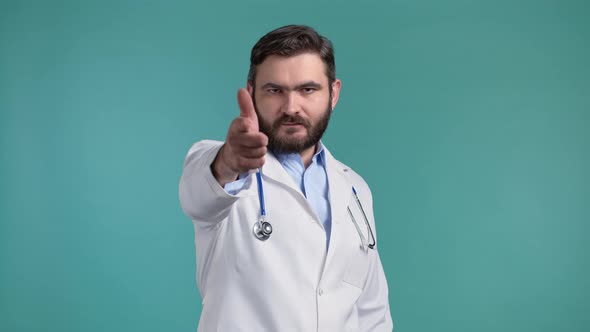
[(357, 269)]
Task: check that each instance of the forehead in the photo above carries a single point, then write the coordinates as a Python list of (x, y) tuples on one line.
[(291, 70)]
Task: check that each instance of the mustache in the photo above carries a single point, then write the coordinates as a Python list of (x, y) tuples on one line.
[(291, 119)]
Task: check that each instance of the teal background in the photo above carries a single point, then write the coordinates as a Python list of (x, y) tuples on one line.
[(469, 119)]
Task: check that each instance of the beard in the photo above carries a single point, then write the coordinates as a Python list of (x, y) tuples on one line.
[(286, 144)]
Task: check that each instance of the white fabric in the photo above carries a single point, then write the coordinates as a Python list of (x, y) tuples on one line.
[(289, 282)]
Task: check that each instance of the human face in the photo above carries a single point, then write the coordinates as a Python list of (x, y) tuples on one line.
[(293, 101)]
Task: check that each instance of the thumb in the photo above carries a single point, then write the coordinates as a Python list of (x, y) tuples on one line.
[(247, 107)]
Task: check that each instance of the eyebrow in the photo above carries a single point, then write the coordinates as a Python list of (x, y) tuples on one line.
[(308, 84)]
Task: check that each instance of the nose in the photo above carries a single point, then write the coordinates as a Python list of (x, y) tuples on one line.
[(291, 103)]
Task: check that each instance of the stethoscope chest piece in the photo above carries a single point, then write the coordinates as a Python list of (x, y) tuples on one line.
[(262, 230)]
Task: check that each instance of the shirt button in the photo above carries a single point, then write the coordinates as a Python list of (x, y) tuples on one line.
[(321, 292)]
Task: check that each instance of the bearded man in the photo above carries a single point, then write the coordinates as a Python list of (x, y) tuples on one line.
[(284, 233)]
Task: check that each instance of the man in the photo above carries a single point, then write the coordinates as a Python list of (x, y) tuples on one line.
[(282, 243)]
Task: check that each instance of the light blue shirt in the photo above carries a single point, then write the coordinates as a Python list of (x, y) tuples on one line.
[(313, 183)]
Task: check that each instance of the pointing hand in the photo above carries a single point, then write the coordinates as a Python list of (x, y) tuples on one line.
[(245, 146)]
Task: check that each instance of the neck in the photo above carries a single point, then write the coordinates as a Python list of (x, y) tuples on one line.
[(307, 155)]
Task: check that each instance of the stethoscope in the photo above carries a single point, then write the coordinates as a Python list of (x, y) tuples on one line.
[(364, 241), (262, 228)]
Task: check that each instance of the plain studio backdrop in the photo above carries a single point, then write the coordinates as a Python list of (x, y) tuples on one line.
[(470, 120)]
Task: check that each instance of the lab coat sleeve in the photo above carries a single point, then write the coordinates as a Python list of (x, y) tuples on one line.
[(373, 304), (202, 198)]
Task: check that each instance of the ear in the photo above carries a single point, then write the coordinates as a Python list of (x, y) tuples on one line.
[(336, 85), (250, 89)]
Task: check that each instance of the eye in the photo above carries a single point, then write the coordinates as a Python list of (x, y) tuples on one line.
[(273, 91), (308, 90)]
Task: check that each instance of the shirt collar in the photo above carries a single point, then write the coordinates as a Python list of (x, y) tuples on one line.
[(319, 157)]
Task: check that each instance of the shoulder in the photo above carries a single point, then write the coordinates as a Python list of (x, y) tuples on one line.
[(204, 144), (355, 178), (202, 149)]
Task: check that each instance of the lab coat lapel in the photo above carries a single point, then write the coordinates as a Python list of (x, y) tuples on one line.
[(273, 170), (340, 189)]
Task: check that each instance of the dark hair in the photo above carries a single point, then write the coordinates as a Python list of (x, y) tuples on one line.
[(291, 40)]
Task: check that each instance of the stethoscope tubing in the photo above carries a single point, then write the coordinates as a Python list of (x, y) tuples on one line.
[(358, 202), (260, 194)]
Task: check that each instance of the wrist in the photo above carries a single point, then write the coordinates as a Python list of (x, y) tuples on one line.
[(221, 171)]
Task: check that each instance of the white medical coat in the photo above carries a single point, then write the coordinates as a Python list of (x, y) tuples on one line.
[(289, 282)]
